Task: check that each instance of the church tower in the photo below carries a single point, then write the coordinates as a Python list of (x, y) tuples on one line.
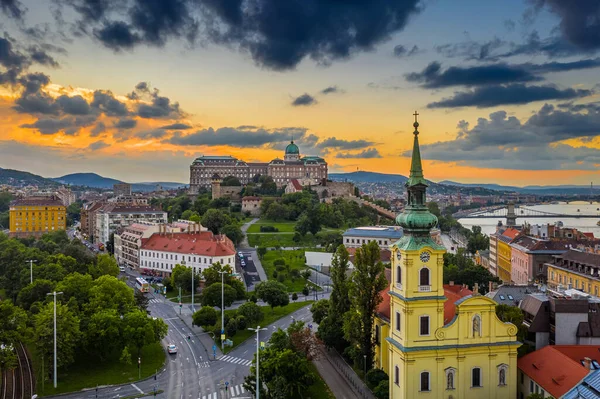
[(444, 342)]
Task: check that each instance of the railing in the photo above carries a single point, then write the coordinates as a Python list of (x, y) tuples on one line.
[(424, 288), (358, 386)]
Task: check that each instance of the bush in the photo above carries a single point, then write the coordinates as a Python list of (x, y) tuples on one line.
[(280, 268), (253, 298), (281, 278), (382, 391), (241, 322), (305, 290), (294, 297), (375, 376), (269, 229), (231, 327), (274, 273), (229, 316), (251, 312), (295, 273), (206, 316), (278, 262)]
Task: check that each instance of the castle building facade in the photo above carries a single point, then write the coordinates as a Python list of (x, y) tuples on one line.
[(441, 341), (292, 166)]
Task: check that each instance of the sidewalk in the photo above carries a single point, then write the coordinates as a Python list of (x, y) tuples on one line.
[(244, 228), (340, 377)]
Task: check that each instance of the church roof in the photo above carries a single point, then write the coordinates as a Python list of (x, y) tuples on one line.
[(453, 294)]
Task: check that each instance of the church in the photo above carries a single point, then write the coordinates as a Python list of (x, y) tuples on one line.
[(435, 340)]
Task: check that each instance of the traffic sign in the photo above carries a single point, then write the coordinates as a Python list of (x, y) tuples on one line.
[(222, 337), (214, 347)]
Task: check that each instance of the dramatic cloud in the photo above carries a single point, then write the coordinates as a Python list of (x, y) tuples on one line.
[(278, 35), (75, 105), (98, 129), (344, 144), (67, 125), (151, 134), (176, 126), (491, 96), (106, 102), (159, 107), (331, 89), (238, 137), (13, 8), (401, 52), (125, 123), (304, 100), (366, 154), (98, 145), (472, 50), (508, 143)]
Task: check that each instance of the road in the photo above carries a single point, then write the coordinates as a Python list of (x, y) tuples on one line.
[(449, 244), (192, 372), (251, 273)]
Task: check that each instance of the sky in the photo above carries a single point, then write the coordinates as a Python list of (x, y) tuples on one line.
[(507, 91)]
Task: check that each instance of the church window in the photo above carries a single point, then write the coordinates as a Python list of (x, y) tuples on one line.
[(424, 277), (476, 326), (398, 321), (450, 376), (476, 377), (397, 375), (424, 325), (398, 275), (425, 381)]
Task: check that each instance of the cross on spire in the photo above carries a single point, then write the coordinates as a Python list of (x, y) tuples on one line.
[(416, 114)]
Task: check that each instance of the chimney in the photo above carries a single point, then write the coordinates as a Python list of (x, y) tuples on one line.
[(451, 283), (490, 286), (476, 289), (587, 363)]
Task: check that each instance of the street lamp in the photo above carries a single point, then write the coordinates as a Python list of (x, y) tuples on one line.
[(223, 273), (31, 262), (193, 289), (365, 362), (257, 329), (54, 294)]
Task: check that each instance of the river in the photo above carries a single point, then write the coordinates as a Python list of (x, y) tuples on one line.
[(488, 226)]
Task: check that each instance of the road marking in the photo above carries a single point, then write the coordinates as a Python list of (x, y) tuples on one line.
[(136, 387)]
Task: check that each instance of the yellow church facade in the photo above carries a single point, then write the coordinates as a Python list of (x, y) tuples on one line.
[(441, 341)]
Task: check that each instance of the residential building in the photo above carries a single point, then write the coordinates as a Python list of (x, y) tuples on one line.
[(293, 186), (436, 350), (511, 294), (493, 263), (251, 205), (530, 254), (561, 371), (88, 218), (112, 217), (34, 216), (575, 269), (66, 196), (504, 265), (292, 166), (121, 189), (162, 251), (385, 236)]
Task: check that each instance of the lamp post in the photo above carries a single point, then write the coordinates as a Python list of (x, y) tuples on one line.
[(31, 262), (365, 363), (192, 267), (257, 329), (222, 308), (54, 294)]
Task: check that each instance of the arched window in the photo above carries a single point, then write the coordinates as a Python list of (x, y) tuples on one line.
[(424, 277), (425, 381), (450, 377), (476, 377), (476, 326), (398, 275), (502, 371)]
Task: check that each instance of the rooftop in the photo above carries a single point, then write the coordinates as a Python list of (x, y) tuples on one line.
[(541, 366), (37, 201), (204, 243), (512, 295), (453, 294), (375, 232)]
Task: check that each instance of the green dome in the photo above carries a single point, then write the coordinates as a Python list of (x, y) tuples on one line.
[(417, 220), (292, 148)]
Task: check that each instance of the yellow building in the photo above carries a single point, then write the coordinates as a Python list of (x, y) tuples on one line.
[(575, 269), (34, 216), (441, 344)]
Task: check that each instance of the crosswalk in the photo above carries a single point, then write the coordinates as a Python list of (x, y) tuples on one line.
[(236, 360), (233, 392), (155, 301), (203, 364)]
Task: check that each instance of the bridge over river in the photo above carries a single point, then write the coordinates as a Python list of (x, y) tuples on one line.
[(515, 211)]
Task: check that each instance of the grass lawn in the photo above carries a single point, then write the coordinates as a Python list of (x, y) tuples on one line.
[(295, 260), (86, 373), (271, 240), (270, 317), (318, 390), (284, 227)]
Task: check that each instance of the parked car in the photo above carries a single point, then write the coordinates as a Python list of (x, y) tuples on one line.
[(122, 268), (172, 349)]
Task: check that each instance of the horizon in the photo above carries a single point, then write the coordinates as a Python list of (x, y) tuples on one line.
[(512, 100)]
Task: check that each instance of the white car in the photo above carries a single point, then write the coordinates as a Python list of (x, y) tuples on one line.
[(122, 268), (172, 349)]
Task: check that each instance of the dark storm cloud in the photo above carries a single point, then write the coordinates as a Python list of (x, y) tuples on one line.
[(178, 126), (433, 77), (106, 102), (67, 125), (278, 34), (366, 154), (304, 100), (13, 8), (75, 105), (401, 52), (159, 107), (344, 144), (40, 56), (503, 141), (579, 23), (98, 129), (491, 96), (125, 123)]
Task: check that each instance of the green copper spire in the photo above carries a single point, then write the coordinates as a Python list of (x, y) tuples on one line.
[(416, 218)]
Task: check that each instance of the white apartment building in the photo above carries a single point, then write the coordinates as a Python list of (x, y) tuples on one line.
[(385, 236), (113, 217), (162, 251)]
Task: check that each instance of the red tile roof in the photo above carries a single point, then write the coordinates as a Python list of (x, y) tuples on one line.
[(203, 243), (589, 235), (383, 309), (296, 184), (250, 198), (558, 368), (453, 293), (511, 233)]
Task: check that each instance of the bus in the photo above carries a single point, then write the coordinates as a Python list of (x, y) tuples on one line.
[(142, 285)]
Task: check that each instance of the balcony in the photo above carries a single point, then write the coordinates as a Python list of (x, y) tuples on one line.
[(399, 286), (424, 288)]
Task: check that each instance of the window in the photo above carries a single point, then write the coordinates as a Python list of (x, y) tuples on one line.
[(502, 297), (476, 377), (424, 276), (425, 381), (450, 374), (424, 325), (377, 334), (397, 375), (397, 321), (398, 275), (510, 297), (476, 326)]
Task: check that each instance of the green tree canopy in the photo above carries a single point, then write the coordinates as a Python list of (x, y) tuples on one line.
[(215, 220), (273, 293), (319, 310), (251, 311), (109, 292), (206, 316), (181, 277), (211, 296)]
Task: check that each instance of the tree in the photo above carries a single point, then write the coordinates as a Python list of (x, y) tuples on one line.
[(103, 336), (140, 330), (212, 275), (231, 327), (109, 292), (230, 181), (12, 330), (434, 208), (78, 286), (535, 396), (214, 220), (319, 310), (206, 316), (35, 292), (181, 277), (368, 280), (514, 315), (273, 293), (305, 291), (110, 245), (69, 334), (261, 251), (294, 297), (141, 300), (211, 296), (233, 232), (106, 265), (251, 311)]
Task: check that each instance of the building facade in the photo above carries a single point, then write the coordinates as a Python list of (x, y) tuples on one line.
[(66, 196), (251, 205), (504, 265), (472, 355), (385, 236), (575, 269), (121, 189), (292, 166), (34, 216), (162, 251), (112, 217)]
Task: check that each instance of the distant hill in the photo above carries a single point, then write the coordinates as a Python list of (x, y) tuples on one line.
[(96, 181), (19, 178), (368, 177), (538, 190)]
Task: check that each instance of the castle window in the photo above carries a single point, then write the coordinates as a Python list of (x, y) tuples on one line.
[(476, 377), (397, 375), (450, 376), (476, 326), (424, 325), (425, 381), (424, 279)]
